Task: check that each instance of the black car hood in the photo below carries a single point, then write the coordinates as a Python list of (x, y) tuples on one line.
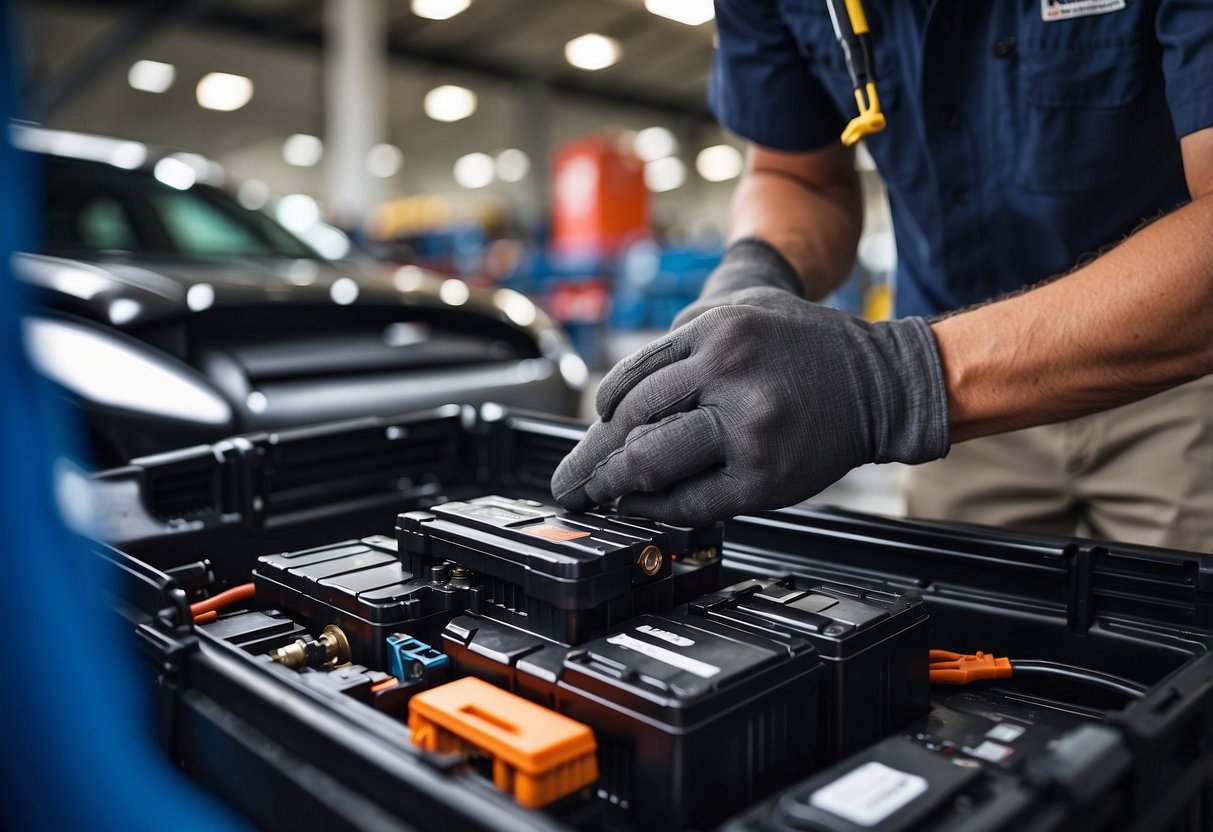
[(129, 292)]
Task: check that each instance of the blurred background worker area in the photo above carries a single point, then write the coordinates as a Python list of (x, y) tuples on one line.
[(285, 212)]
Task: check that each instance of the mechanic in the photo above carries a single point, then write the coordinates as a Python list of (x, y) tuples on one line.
[(1022, 139)]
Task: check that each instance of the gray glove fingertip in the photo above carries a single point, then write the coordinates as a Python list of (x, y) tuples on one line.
[(630, 371)]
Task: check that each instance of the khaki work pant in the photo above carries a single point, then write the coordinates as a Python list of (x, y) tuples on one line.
[(1142, 473)]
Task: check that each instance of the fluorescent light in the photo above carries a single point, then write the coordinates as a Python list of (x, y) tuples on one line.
[(253, 194), (474, 170), (383, 161), (653, 143), (719, 162), (151, 76), (175, 173), (690, 12), (298, 212), (302, 150), (223, 91), (449, 103), (592, 52), (512, 165), (665, 174), (439, 9)]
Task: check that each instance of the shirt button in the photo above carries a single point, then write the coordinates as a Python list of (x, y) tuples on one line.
[(960, 195), (950, 119), (1004, 47), (987, 280)]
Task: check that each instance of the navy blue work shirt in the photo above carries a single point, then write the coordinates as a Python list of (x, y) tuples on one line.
[(1015, 145)]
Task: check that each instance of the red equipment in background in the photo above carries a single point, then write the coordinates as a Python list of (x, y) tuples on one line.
[(599, 199)]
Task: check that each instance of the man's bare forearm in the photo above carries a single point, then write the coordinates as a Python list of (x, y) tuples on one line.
[(1135, 321), (808, 206)]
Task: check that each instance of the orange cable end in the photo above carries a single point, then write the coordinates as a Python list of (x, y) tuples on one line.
[(386, 684), (959, 668), (235, 595)]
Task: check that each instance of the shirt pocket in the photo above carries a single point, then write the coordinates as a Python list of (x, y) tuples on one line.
[(1076, 114)]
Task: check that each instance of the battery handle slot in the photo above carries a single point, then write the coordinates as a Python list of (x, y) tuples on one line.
[(492, 719)]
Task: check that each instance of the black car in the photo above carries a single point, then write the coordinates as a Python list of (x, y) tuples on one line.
[(173, 315)]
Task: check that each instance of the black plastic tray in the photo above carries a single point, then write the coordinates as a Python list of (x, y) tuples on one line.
[(291, 756)]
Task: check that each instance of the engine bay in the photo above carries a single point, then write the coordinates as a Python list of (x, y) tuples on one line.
[(492, 661)]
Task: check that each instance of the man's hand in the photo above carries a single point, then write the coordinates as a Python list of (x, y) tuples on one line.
[(759, 402)]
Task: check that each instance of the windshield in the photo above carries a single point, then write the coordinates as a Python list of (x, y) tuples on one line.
[(93, 207)]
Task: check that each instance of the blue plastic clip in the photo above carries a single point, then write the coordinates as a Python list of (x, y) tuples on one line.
[(411, 660)]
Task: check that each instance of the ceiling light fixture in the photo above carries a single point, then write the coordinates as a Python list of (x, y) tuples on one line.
[(475, 170), (450, 103), (592, 52), (302, 150), (223, 91), (512, 165), (719, 163), (151, 76), (383, 161), (653, 143), (665, 174), (690, 12), (439, 9)]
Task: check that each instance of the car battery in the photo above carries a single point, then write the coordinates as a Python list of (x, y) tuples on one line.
[(873, 646), (258, 632), (695, 552), (967, 768), (682, 708), (566, 576), (362, 587)]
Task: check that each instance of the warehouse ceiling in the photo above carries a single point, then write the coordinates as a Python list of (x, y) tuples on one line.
[(664, 64)]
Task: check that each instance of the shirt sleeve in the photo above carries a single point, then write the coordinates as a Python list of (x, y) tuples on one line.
[(1185, 33), (761, 86)]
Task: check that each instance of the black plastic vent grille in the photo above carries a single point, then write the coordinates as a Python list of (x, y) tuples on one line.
[(535, 458), (504, 594), (311, 471), (183, 492)]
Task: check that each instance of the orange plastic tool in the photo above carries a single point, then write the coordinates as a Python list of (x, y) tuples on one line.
[(538, 755), (949, 668)]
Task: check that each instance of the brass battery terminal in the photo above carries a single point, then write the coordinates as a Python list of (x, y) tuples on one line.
[(649, 560), (330, 650)]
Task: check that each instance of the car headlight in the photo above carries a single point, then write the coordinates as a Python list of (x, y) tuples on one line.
[(118, 372)]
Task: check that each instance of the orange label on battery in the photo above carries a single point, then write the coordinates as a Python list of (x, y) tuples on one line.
[(555, 533)]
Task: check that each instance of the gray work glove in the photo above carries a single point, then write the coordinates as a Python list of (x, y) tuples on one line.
[(749, 263), (761, 401)]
